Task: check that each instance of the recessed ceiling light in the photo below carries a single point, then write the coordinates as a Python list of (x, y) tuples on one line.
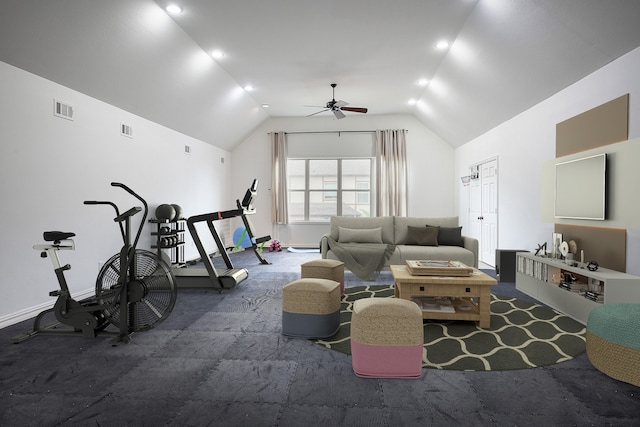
[(266, 105), (248, 88), (412, 102), (442, 44), (174, 9), (217, 54), (423, 82)]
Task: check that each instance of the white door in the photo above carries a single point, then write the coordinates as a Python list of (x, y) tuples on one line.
[(484, 210), (475, 211), (489, 182)]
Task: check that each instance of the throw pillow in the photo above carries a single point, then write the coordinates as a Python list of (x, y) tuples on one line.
[(359, 235), (423, 236), (450, 236)]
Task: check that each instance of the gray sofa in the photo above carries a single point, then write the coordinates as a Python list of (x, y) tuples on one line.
[(411, 238)]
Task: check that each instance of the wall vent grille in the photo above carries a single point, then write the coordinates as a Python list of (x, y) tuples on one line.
[(62, 110), (126, 130)]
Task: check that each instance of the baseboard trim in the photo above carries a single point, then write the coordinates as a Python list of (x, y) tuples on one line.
[(31, 312)]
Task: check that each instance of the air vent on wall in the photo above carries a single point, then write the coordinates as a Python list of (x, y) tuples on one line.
[(187, 149), (62, 110), (126, 130)]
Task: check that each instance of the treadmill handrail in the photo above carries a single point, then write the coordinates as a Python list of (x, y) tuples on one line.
[(215, 216)]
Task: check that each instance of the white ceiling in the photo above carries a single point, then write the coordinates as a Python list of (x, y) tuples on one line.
[(505, 56)]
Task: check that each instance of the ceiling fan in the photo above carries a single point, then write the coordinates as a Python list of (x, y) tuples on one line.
[(337, 107)]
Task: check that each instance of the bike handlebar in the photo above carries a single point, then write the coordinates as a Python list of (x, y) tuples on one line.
[(133, 193), (119, 218), (100, 202)]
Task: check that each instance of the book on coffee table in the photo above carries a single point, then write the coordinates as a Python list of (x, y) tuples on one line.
[(438, 268)]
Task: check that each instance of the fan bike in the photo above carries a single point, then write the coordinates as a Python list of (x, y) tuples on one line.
[(135, 289)]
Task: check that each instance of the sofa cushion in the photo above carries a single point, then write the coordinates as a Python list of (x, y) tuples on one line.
[(384, 222), (450, 236), (401, 223), (423, 236), (359, 235)]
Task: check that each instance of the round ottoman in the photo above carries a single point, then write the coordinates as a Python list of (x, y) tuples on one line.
[(613, 341), (386, 338), (311, 308), (324, 269)]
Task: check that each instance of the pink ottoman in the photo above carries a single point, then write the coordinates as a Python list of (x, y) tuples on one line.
[(329, 269), (386, 338)]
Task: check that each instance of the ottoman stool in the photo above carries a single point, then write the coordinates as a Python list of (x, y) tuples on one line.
[(386, 338), (311, 308), (613, 341), (325, 269)]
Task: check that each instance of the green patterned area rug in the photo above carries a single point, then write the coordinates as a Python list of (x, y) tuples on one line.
[(522, 335)]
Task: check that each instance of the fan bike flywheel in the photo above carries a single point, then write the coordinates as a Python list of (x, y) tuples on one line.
[(151, 292)]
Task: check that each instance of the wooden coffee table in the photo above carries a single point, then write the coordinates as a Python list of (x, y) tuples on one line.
[(472, 294)]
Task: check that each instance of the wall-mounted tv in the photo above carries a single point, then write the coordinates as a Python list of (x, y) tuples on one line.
[(581, 188)]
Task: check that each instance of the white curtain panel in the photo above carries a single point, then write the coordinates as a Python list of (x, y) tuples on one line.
[(279, 210), (391, 172)]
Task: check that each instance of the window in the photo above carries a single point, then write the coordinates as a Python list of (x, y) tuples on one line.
[(321, 188), (362, 197), (330, 195)]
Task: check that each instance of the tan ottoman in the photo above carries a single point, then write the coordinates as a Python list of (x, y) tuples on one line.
[(324, 269), (387, 338), (311, 308)]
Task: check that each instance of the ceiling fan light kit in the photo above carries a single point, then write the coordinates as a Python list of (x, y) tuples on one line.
[(337, 107)]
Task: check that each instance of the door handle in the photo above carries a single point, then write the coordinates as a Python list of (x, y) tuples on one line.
[(480, 218)]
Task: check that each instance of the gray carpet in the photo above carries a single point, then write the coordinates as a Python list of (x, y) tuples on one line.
[(219, 360)]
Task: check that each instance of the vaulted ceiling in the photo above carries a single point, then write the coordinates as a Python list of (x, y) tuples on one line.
[(504, 56)]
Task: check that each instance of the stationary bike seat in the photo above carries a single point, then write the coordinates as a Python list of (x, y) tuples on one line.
[(54, 236)]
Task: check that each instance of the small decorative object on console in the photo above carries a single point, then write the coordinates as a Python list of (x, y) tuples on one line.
[(542, 249), (564, 249), (573, 247), (592, 266)]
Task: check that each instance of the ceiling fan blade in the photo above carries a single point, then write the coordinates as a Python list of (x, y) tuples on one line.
[(317, 112), (339, 114), (340, 104), (355, 109)]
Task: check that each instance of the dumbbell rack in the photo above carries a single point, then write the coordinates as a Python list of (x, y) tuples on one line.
[(169, 235)]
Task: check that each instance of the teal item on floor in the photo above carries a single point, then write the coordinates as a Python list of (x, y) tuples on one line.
[(618, 323)]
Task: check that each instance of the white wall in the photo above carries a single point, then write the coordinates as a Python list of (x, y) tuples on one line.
[(525, 143), (431, 161), (49, 166)]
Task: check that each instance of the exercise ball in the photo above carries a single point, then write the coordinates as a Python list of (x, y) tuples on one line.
[(165, 211), (237, 235), (179, 212)]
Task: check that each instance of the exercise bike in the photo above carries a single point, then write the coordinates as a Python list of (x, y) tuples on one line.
[(135, 289)]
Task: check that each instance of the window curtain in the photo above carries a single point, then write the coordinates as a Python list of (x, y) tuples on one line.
[(391, 172), (279, 210)]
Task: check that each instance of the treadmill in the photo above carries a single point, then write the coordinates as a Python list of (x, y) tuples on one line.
[(210, 277)]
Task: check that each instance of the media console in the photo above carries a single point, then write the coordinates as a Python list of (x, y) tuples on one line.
[(545, 279)]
